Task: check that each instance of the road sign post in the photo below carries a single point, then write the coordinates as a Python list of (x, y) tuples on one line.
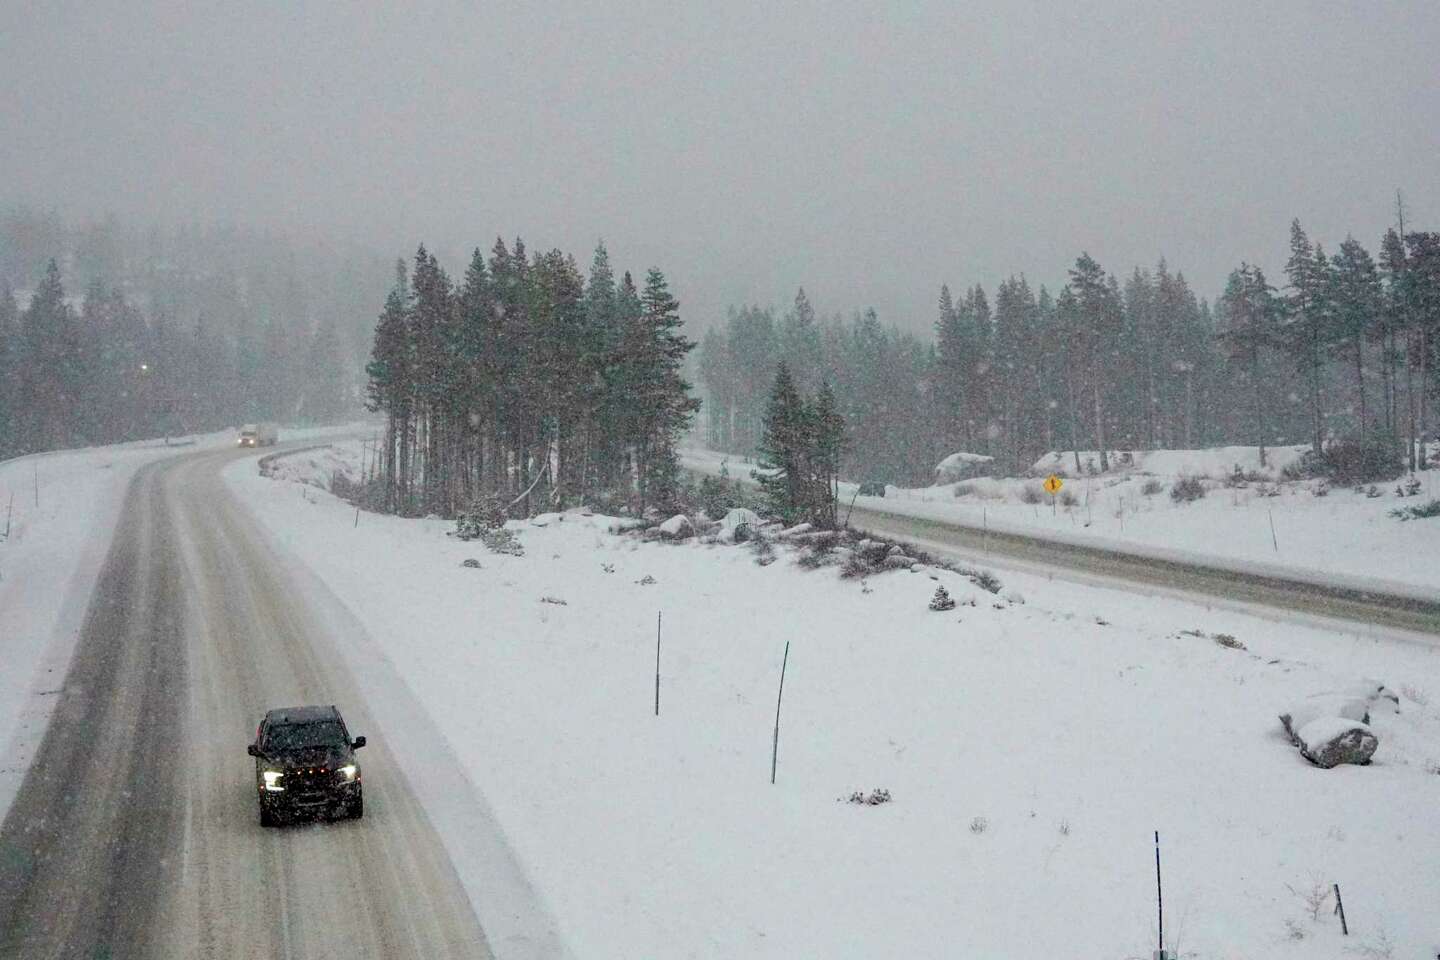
[(1053, 483)]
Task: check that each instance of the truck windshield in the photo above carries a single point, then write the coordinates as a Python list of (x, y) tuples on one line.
[(297, 736)]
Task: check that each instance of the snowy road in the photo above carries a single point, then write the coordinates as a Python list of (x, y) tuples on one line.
[(135, 831), (1388, 606), (1292, 597)]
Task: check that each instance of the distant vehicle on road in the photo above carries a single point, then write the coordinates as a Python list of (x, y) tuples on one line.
[(872, 488), (259, 435), (305, 765)]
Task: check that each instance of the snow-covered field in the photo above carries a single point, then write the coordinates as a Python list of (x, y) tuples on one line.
[(1343, 535), (61, 509), (1031, 743)]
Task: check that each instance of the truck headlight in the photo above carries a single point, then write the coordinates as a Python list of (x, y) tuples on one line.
[(348, 771), (272, 781)]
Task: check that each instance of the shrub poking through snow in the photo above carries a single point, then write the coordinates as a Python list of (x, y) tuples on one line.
[(764, 551), (872, 799), (1031, 494), (471, 563), (1068, 498), (1226, 640), (855, 566), (500, 540), (1152, 487), (555, 600), (985, 580), (482, 515), (1187, 490), (979, 825), (646, 581), (1423, 512), (942, 600)]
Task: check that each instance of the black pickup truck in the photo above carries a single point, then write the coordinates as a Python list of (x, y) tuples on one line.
[(305, 765)]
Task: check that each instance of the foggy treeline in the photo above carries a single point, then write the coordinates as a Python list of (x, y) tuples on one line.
[(1345, 347), (112, 332), (526, 382)]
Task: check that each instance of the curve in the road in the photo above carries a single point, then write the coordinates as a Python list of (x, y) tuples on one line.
[(135, 831), (1332, 601)]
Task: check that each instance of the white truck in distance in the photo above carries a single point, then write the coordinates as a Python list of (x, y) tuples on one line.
[(259, 435)]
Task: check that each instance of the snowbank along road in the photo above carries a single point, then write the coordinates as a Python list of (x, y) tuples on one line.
[(135, 832), (1335, 601), (1412, 612)]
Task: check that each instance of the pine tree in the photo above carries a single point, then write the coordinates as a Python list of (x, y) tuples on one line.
[(9, 370), (784, 467), (1423, 276), (1392, 328), (950, 346), (828, 429), (1252, 326), (1305, 325), (663, 405), (325, 393), (1099, 319), (391, 389), (50, 369), (1356, 311), (800, 343)]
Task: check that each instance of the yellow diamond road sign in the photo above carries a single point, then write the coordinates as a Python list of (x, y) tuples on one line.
[(1053, 483)]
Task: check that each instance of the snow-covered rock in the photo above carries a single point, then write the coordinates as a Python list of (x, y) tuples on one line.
[(1359, 702), (1324, 705), (1331, 741), (961, 466), (739, 524), (677, 527), (795, 531)]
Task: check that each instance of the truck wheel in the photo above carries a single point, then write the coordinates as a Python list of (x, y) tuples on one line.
[(267, 819), (356, 807)]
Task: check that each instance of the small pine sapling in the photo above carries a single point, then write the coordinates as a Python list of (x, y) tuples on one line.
[(942, 600)]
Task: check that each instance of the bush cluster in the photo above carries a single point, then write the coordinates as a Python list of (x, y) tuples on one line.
[(1187, 490), (1370, 458)]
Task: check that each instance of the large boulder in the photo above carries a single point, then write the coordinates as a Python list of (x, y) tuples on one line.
[(1359, 702), (1331, 741), (1324, 705), (677, 527), (739, 525), (962, 466)]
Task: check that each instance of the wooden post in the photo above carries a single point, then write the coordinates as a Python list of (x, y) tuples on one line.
[(1340, 909), (985, 520), (357, 518), (1159, 897), (9, 508), (1273, 541), (775, 743), (657, 662), (36, 465)]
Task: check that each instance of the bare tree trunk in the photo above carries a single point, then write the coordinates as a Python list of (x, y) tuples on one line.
[(1099, 421), (1074, 421), (1317, 422), (1424, 383), (1410, 401), (1360, 377)]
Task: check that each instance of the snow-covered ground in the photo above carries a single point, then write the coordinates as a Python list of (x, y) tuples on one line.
[(1030, 742), (62, 509), (1269, 526)]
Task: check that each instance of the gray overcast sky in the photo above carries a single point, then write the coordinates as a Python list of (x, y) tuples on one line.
[(745, 148)]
